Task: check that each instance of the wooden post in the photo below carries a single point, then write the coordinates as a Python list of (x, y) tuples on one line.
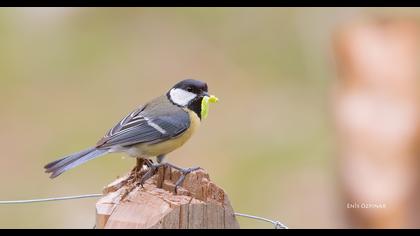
[(377, 115), (199, 203)]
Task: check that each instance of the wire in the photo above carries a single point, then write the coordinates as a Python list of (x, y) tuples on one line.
[(51, 199), (277, 224)]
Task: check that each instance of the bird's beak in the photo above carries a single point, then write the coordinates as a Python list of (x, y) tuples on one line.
[(205, 94)]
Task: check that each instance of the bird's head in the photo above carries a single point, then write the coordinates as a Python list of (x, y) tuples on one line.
[(190, 93)]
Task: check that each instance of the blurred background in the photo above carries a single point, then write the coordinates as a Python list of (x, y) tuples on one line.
[(280, 142)]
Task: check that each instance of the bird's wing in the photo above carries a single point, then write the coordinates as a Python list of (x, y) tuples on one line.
[(137, 127)]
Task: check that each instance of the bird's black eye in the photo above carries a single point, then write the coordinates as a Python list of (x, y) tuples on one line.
[(189, 89)]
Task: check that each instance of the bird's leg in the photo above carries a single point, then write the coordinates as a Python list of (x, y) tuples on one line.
[(184, 173), (160, 158), (151, 170)]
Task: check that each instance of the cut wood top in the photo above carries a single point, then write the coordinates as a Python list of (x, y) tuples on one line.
[(199, 203)]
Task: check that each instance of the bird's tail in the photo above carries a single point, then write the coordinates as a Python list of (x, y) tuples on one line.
[(61, 165)]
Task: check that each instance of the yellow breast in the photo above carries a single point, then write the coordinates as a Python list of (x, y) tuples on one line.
[(149, 150)]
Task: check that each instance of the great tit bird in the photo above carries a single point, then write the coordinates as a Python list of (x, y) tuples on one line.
[(152, 130)]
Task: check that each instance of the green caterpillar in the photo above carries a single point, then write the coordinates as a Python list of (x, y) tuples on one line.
[(205, 105)]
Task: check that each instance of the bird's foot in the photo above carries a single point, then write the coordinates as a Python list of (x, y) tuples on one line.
[(152, 168), (184, 173)]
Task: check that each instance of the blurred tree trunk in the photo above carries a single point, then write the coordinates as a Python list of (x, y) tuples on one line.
[(376, 108)]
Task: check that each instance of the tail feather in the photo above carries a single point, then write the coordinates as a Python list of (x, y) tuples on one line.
[(60, 162), (59, 166)]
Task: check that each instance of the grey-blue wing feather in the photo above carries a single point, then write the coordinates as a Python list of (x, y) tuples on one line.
[(147, 129)]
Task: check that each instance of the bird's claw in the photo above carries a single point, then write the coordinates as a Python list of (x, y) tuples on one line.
[(184, 173), (152, 168)]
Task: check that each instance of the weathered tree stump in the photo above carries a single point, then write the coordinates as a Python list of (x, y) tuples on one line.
[(199, 203)]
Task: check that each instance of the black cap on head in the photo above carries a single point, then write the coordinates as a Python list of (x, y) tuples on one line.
[(191, 85)]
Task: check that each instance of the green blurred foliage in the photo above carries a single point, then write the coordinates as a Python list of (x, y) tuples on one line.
[(67, 75)]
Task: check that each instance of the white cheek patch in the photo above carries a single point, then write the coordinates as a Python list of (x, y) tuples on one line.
[(181, 97)]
